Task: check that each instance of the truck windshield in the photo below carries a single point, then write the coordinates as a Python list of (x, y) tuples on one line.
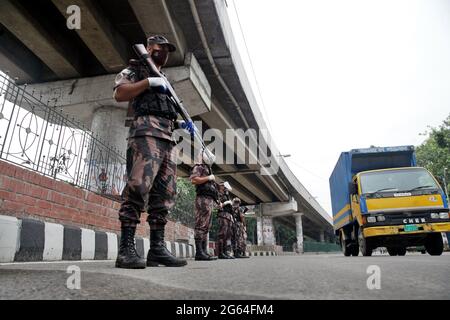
[(403, 180)]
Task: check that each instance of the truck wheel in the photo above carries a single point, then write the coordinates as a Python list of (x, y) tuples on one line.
[(392, 251), (345, 249), (364, 244), (355, 249), (434, 244), (401, 251)]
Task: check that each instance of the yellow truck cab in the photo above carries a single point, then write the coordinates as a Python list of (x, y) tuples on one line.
[(380, 198)]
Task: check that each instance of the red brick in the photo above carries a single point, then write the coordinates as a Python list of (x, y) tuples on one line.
[(34, 178), (7, 195), (29, 201), (44, 204), (13, 206), (7, 169), (46, 182)]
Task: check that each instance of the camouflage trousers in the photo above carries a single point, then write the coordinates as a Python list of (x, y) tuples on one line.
[(241, 237), (203, 210), (151, 185), (225, 229)]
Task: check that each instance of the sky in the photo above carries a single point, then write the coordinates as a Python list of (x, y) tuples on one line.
[(338, 75)]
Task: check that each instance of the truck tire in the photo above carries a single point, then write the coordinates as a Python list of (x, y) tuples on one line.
[(364, 244), (346, 250), (355, 249), (401, 251), (392, 251), (434, 244)]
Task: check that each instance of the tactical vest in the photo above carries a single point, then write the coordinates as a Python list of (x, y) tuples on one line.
[(208, 189), (151, 102)]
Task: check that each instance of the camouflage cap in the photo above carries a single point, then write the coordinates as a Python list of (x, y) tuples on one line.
[(157, 39)]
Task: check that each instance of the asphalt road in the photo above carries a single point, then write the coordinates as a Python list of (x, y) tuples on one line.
[(323, 276)]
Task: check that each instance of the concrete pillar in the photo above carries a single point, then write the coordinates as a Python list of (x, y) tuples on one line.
[(322, 236), (265, 231), (107, 168), (299, 231), (109, 124)]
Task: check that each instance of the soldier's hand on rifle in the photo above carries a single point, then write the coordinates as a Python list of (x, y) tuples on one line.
[(212, 178), (158, 84), (189, 126)]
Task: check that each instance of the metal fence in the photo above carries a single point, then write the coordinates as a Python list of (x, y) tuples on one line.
[(40, 137), (312, 246)]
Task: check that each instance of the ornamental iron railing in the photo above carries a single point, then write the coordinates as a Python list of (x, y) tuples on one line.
[(41, 137)]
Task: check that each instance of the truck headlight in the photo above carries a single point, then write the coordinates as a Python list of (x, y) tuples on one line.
[(381, 218), (434, 216), (371, 219), (443, 215)]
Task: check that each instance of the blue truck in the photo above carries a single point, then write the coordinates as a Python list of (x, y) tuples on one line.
[(380, 198)]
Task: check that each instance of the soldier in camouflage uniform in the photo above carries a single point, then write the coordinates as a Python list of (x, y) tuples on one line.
[(151, 165), (225, 219), (207, 195), (238, 230)]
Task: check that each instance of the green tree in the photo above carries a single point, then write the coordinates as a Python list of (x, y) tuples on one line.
[(284, 235), (184, 207), (434, 152)]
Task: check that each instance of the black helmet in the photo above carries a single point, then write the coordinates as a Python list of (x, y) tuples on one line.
[(161, 40)]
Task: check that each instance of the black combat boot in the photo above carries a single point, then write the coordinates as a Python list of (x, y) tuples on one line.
[(205, 250), (158, 253), (222, 253), (239, 254), (200, 255), (127, 257), (236, 254), (244, 255), (227, 250)]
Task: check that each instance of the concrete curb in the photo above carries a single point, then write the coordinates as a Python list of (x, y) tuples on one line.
[(23, 240), (261, 253)]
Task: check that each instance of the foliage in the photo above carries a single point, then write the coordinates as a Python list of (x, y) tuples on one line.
[(184, 207), (434, 152)]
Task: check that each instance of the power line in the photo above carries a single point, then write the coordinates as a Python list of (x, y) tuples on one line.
[(307, 170), (252, 68)]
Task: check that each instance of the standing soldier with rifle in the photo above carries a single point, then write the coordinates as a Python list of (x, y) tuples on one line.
[(207, 194), (151, 165), (225, 218), (238, 230)]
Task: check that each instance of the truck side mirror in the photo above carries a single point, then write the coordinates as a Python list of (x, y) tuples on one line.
[(352, 189)]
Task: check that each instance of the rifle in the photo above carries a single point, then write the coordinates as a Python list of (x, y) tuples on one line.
[(146, 59)]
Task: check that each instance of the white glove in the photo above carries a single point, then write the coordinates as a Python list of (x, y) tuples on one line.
[(227, 202), (211, 178), (157, 83)]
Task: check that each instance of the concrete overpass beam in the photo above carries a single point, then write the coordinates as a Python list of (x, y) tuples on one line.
[(109, 47), (154, 18), (34, 37), (81, 97), (278, 209)]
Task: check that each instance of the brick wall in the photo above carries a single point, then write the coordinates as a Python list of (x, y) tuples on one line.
[(24, 193)]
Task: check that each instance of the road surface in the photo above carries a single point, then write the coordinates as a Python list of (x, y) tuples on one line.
[(324, 276)]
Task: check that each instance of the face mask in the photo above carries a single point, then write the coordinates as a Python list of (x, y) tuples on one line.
[(159, 57)]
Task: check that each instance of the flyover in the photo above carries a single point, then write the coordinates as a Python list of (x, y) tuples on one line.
[(75, 69)]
